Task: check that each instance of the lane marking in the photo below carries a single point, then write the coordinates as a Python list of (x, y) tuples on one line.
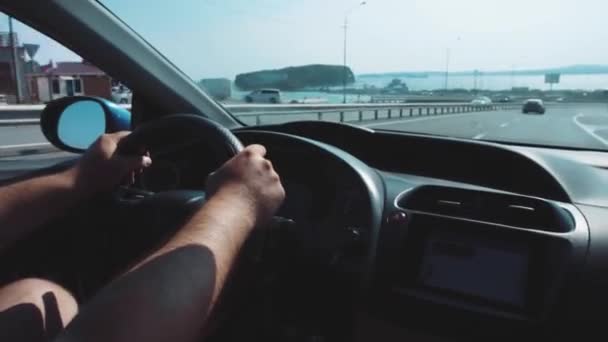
[(503, 125), (588, 130), (404, 120), (480, 135), (42, 144)]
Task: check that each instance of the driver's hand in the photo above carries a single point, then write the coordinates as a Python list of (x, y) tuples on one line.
[(250, 179), (101, 168)]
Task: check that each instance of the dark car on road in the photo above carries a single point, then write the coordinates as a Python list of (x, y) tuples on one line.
[(533, 106)]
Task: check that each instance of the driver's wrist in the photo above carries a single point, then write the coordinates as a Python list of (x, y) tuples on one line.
[(237, 198)]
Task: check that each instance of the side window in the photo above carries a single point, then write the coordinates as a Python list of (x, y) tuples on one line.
[(77, 86), (56, 87), (35, 69)]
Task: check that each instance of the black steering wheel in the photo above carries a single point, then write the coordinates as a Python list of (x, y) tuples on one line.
[(180, 129)]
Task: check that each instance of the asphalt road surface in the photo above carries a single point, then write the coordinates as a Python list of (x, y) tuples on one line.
[(18, 135), (581, 126), (571, 125)]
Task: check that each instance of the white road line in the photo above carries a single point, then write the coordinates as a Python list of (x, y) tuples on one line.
[(587, 129), (42, 144), (480, 135), (503, 125), (404, 120)]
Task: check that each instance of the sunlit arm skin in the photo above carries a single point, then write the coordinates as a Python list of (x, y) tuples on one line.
[(26, 205), (169, 295), (29, 204)]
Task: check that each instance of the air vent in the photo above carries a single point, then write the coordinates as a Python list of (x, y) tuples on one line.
[(512, 210)]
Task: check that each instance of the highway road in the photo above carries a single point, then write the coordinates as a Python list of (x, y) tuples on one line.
[(17, 135), (574, 125), (581, 126)]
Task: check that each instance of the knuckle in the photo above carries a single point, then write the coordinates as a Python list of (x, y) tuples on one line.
[(267, 164), (247, 153), (276, 179)]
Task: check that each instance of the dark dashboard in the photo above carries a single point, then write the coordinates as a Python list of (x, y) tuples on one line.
[(481, 240), (468, 239)]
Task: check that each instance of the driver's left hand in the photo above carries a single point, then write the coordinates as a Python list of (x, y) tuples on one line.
[(101, 169)]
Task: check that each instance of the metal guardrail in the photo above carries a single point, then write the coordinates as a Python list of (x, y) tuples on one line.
[(368, 112), (394, 98), (15, 115)]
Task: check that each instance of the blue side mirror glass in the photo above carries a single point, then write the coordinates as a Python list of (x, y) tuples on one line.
[(81, 123)]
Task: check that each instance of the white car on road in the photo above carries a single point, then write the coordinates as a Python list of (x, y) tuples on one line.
[(481, 101), (122, 94), (264, 96)]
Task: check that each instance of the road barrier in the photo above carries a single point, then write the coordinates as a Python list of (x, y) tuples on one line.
[(418, 98), (363, 112), (16, 115)]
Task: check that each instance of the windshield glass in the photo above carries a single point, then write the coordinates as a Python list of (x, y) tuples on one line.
[(457, 68)]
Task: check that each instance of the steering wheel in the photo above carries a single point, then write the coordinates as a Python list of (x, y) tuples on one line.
[(180, 129)]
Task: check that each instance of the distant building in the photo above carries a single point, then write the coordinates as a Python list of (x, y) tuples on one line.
[(57, 80), (5, 40), (218, 88)]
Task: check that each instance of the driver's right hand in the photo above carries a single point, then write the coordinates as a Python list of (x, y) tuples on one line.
[(249, 179)]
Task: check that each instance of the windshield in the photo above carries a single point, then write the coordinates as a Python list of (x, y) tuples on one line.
[(456, 68)]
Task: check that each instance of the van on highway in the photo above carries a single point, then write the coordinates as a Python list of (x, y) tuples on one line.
[(264, 96), (533, 106)]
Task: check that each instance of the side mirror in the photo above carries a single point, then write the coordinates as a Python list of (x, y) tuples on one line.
[(74, 123)]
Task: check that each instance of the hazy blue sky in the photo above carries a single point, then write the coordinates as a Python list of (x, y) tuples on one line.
[(211, 38)]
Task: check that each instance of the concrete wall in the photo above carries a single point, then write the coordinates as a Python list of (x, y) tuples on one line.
[(43, 88)]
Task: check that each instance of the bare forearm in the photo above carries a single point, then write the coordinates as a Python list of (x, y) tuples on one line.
[(31, 203), (169, 295), (222, 227)]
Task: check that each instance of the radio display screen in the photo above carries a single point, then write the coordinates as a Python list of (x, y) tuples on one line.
[(491, 270)]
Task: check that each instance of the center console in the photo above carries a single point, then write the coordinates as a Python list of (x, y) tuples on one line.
[(480, 267), (478, 262)]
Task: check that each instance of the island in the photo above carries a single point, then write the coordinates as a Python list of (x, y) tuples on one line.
[(296, 77)]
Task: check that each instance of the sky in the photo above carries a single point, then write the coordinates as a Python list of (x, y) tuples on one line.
[(221, 38)]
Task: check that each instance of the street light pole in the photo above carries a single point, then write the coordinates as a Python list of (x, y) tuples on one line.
[(475, 73), (447, 68), (512, 76), (11, 38), (344, 74)]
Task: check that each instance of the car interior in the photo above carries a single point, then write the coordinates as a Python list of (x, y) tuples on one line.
[(384, 236)]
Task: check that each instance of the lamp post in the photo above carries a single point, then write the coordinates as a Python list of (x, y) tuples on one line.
[(345, 35), (447, 69), (448, 54), (15, 60)]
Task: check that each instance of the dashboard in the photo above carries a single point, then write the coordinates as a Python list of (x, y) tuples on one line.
[(481, 240), (466, 239)]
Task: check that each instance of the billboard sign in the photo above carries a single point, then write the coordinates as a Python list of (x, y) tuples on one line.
[(552, 78)]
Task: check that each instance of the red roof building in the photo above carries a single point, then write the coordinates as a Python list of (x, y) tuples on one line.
[(56, 80)]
